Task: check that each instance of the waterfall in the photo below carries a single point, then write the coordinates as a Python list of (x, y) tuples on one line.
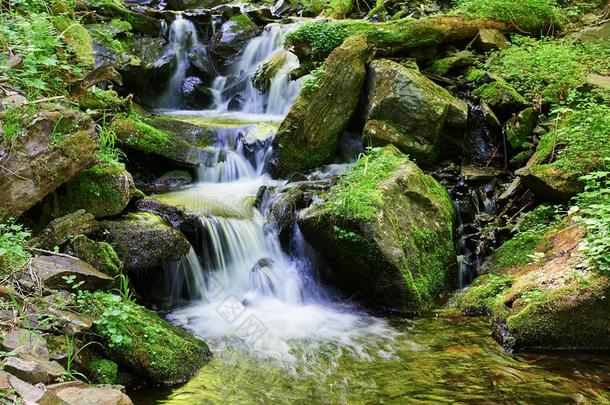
[(242, 285), (182, 37), (282, 91)]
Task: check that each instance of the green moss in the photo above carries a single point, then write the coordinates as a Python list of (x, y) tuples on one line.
[(14, 121), (475, 74), (520, 127), (321, 37), (358, 194), (549, 69), (498, 93), (103, 371), (538, 220), (528, 15), (98, 254), (577, 144), (103, 100), (76, 37), (102, 190), (140, 136), (481, 295), (328, 8), (241, 23), (139, 339), (517, 251)]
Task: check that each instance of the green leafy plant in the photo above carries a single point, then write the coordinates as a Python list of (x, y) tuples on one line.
[(12, 240), (124, 290), (112, 320), (592, 209)]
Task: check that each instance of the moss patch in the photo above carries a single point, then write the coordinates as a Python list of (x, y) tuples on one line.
[(140, 340)]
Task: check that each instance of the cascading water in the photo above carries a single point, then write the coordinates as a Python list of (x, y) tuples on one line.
[(182, 37), (243, 286), (237, 85)]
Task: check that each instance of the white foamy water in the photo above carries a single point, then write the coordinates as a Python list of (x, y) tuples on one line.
[(243, 288)]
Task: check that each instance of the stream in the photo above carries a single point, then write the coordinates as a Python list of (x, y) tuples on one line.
[(278, 334)]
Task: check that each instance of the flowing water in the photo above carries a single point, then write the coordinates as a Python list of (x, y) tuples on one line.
[(277, 334)]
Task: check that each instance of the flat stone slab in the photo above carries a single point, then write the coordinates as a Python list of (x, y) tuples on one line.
[(94, 396), (23, 340), (54, 272)]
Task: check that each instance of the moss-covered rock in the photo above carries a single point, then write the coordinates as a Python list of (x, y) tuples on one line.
[(76, 37), (144, 241), (103, 100), (576, 145), (267, 71), (115, 9), (309, 134), (232, 38), (453, 63), (103, 371), (102, 190), (545, 297), (55, 146), (171, 139), (409, 111), (386, 233), (314, 41), (140, 340), (98, 254), (518, 129), (503, 99)]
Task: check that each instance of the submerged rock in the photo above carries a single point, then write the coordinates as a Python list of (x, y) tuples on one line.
[(148, 345), (144, 241), (56, 145), (386, 233), (408, 110), (542, 296), (309, 134)]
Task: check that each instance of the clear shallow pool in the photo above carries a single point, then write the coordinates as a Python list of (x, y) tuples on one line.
[(442, 357)]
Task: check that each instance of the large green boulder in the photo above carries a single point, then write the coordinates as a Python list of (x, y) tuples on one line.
[(386, 233), (143, 342), (309, 134), (144, 241), (542, 295), (102, 190), (408, 110)]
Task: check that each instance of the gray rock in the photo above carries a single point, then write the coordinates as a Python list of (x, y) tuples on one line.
[(490, 40), (63, 272), (23, 340)]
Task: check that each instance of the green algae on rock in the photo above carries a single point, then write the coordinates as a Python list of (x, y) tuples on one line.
[(140, 340), (309, 134), (386, 230)]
